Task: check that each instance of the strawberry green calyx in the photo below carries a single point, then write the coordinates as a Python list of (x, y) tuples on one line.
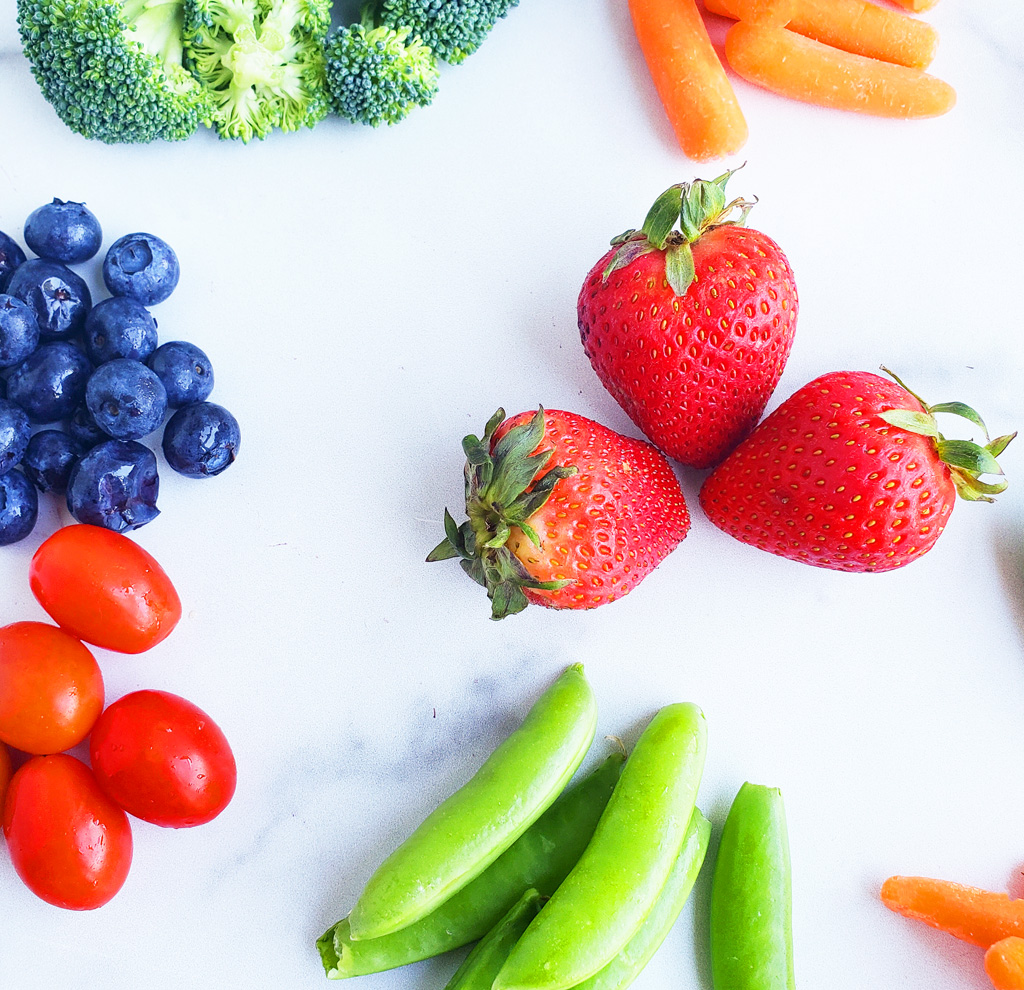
[(505, 486), (697, 207), (967, 461)]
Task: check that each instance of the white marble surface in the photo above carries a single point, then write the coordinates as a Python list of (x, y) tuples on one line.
[(367, 297)]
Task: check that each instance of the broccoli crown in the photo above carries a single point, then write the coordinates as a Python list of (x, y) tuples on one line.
[(454, 29), (113, 71), (377, 75), (261, 60)]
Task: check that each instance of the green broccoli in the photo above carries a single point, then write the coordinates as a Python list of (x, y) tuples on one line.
[(376, 74), (113, 71), (261, 60), (454, 29)]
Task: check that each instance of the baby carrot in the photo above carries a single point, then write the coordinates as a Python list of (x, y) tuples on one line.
[(1004, 963), (690, 80), (977, 916), (472, 828), (853, 26), (802, 69)]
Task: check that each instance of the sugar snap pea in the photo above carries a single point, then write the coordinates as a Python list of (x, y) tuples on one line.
[(488, 955), (751, 896), (639, 950), (541, 857), (473, 827), (616, 883)]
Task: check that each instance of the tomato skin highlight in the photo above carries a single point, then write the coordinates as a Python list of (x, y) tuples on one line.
[(51, 688), (104, 588), (163, 759), (70, 844)]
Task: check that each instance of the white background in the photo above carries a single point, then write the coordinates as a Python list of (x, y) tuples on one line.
[(368, 297)]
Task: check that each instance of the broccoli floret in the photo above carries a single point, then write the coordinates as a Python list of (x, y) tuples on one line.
[(113, 71), (261, 60), (377, 75), (454, 29)]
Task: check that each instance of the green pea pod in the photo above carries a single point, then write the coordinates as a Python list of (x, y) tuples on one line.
[(489, 954), (639, 950), (617, 881), (751, 896), (541, 857), (472, 828)]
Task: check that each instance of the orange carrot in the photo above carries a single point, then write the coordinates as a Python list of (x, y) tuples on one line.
[(690, 80), (797, 67), (853, 26), (977, 916), (916, 5), (1004, 963)]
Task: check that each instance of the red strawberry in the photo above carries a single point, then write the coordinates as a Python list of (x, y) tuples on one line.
[(851, 473), (690, 329), (577, 534)]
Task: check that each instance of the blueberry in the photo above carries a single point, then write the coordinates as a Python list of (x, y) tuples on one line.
[(59, 298), (19, 507), (48, 461), (50, 383), (83, 428), (62, 231), (126, 399), (185, 371), (115, 485), (11, 256), (142, 267), (14, 434), (201, 440), (19, 331), (119, 327)]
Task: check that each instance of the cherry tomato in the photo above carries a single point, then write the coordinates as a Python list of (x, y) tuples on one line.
[(104, 588), (162, 759), (68, 841), (5, 773), (51, 689)]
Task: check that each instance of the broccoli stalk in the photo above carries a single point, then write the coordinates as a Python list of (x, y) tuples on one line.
[(261, 60), (113, 71), (377, 74), (454, 29)]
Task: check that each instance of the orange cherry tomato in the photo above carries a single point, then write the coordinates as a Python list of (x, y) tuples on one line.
[(68, 841), (51, 689), (104, 588), (162, 759)]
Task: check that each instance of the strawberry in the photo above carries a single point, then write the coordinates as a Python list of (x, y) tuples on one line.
[(690, 329), (852, 473), (576, 534)]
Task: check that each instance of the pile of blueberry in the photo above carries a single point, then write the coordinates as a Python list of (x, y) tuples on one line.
[(97, 373)]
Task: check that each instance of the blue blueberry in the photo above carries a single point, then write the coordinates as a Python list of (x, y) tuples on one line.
[(15, 431), (48, 461), (115, 485), (119, 327), (126, 399), (60, 231), (201, 440), (59, 298), (19, 507), (185, 371), (11, 256), (19, 331), (50, 383), (142, 267), (83, 428)]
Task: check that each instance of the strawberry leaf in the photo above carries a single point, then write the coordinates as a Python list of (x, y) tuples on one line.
[(913, 422), (662, 216), (679, 268), (997, 446), (626, 255), (968, 457), (963, 410)]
